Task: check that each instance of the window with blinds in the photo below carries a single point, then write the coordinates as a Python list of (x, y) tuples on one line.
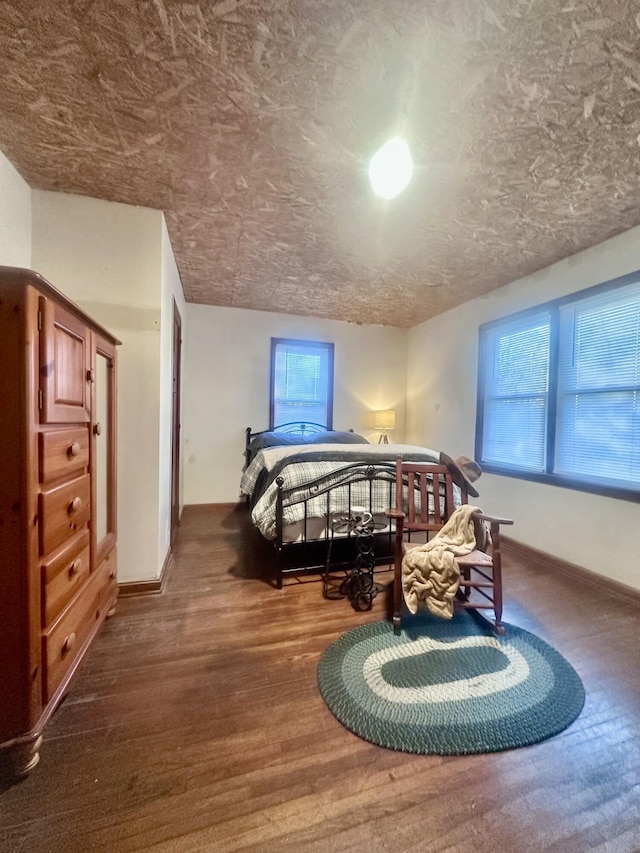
[(559, 391), (301, 382), (516, 386)]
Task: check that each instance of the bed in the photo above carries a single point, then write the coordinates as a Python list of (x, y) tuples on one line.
[(301, 479)]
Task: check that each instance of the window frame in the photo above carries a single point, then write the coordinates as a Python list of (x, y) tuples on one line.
[(329, 347), (547, 476)]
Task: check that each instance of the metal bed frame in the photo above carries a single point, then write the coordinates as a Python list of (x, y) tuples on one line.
[(310, 555)]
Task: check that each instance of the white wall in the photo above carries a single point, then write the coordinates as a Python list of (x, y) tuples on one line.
[(15, 217), (595, 532), (109, 258), (226, 386)]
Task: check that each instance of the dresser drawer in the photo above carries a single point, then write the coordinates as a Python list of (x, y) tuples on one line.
[(63, 510), (109, 566), (63, 644), (63, 453), (63, 575)]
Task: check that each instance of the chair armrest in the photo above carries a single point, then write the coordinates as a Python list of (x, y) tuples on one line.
[(392, 512), (493, 520)]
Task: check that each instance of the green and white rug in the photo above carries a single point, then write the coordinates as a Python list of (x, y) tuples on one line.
[(448, 687)]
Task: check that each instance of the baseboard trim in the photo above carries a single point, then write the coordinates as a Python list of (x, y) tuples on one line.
[(555, 564), (204, 508), (150, 587)]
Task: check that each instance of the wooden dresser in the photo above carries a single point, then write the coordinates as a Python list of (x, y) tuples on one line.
[(57, 502)]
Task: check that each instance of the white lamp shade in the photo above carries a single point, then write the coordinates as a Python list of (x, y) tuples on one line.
[(384, 419)]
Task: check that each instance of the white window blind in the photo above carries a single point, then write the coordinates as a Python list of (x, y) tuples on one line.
[(516, 387), (598, 420), (302, 382), (559, 391)]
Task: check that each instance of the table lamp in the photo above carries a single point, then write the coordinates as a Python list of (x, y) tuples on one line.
[(383, 420)]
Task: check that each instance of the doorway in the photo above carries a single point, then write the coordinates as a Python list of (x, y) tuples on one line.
[(175, 424)]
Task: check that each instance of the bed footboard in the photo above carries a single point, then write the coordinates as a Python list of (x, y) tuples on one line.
[(318, 504)]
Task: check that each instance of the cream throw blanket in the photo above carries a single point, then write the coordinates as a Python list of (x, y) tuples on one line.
[(430, 573)]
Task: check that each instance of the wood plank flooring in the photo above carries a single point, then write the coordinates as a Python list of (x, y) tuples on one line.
[(197, 725)]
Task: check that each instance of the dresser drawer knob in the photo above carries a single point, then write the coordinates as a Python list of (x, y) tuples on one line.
[(74, 505), (69, 643), (74, 568), (74, 449)]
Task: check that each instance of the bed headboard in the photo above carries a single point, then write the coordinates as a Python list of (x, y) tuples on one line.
[(294, 428), (301, 428)]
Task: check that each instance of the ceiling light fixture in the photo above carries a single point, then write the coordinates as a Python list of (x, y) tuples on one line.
[(391, 168)]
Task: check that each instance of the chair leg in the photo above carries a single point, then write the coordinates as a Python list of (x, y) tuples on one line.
[(497, 596), (497, 578), (397, 596)]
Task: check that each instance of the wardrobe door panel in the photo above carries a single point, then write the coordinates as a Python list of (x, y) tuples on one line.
[(65, 374), (104, 448)]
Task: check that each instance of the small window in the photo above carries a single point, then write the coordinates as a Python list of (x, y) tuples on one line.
[(559, 391), (301, 382)]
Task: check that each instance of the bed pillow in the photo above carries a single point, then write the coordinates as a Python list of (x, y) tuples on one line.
[(335, 437), (273, 438)]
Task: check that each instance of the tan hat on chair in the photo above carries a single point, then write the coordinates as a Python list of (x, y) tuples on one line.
[(469, 467), (464, 472)]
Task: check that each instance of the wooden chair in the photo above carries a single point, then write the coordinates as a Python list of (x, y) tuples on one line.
[(416, 512)]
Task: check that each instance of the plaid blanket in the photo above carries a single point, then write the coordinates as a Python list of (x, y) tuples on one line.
[(351, 476)]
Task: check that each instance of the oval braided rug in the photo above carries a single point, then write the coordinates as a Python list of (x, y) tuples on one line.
[(448, 687)]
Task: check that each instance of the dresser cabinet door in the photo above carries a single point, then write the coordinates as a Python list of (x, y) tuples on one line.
[(65, 374), (103, 450)]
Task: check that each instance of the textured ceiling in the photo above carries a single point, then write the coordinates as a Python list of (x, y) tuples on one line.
[(250, 124)]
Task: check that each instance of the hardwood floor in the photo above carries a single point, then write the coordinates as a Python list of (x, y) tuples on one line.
[(197, 725)]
